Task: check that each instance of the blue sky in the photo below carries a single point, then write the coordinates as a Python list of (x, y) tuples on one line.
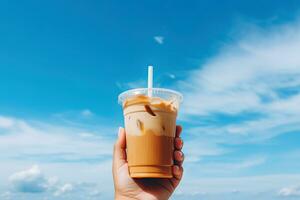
[(63, 63)]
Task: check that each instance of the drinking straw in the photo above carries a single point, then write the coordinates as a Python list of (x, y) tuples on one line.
[(150, 80)]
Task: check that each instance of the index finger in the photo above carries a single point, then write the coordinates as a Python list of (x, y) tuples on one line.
[(178, 130)]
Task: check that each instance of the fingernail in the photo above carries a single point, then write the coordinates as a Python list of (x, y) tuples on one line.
[(119, 132)]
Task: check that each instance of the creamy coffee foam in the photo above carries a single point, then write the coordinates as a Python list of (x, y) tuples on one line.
[(155, 102), (149, 114)]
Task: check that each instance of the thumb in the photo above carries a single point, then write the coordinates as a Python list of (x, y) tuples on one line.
[(119, 157)]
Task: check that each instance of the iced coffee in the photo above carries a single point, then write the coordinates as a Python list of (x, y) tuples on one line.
[(150, 125)]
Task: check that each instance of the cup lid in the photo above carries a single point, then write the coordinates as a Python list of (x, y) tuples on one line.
[(165, 94)]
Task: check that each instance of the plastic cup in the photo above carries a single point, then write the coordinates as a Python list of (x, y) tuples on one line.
[(150, 125)]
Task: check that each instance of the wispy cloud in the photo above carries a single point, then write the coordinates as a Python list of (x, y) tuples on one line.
[(159, 39), (86, 113), (6, 195), (257, 187), (172, 76), (39, 140), (64, 189), (223, 167), (198, 148), (247, 163), (258, 74), (291, 191), (5, 122)]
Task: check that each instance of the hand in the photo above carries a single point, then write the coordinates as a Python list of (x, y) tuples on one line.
[(148, 188)]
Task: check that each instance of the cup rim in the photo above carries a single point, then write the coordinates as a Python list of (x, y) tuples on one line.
[(122, 95)]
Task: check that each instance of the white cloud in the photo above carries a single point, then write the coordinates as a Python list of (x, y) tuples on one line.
[(289, 191), (247, 163), (243, 184), (235, 191), (224, 167), (34, 140), (86, 113), (86, 135), (258, 74), (195, 149), (95, 193), (172, 76), (56, 148), (5, 122), (6, 195), (30, 180), (33, 180), (159, 39), (238, 78), (63, 189)]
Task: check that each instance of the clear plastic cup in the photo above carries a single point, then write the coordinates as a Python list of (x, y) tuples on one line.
[(150, 125)]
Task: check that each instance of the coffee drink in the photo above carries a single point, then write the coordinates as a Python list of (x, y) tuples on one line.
[(150, 125)]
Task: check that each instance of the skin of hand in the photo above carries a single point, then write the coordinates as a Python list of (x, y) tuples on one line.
[(147, 188)]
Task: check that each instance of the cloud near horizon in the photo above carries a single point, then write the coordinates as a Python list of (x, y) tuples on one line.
[(33, 180), (55, 147), (30, 180), (292, 191)]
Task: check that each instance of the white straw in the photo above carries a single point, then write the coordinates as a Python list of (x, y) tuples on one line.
[(150, 80)]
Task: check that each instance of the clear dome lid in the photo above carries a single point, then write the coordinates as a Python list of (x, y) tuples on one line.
[(164, 94)]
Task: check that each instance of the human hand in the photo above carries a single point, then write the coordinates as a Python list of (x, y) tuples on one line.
[(147, 188)]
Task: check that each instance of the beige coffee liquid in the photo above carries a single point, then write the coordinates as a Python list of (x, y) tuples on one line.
[(150, 125)]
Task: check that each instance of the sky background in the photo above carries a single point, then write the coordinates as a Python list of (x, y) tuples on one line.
[(63, 64)]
